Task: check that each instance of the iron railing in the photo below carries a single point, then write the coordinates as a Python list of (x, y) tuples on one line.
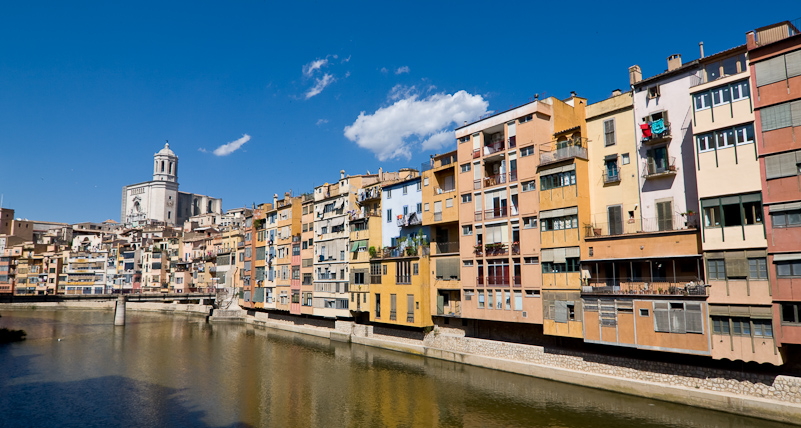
[(652, 170), (563, 153)]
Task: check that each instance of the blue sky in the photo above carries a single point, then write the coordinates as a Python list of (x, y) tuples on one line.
[(89, 91)]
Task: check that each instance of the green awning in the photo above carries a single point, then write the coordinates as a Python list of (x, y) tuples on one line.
[(357, 245)]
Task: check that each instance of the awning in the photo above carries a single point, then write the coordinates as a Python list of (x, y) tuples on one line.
[(561, 212), (558, 169), (339, 221), (785, 207), (786, 257)]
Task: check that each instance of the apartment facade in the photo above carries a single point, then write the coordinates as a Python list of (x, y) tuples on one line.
[(498, 209), (774, 54), (307, 255)]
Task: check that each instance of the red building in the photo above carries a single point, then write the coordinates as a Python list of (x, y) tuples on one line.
[(775, 63)]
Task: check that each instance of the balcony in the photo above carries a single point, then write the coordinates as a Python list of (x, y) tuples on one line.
[(647, 225), (611, 176), (440, 190), (476, 153), (655, 132), (480, 281), (496, 250), (498, 281), (479, 216), (512, 142), (494, 180), (679, 286), (513, 175), (564, 153), (516, 249), (660, 169), (446, 247), (411, 219), (369, 194), (494, 147), (500, 212), (408, 251)]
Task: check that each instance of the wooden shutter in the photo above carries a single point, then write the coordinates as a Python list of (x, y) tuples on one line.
[(609, 132), (694, 317), (736, 264), (677, 320), (661, 317), (393, 303), (615, 220), (776, 117), (770, 71), (410, 304), (664, 215), (793, 63), (560, 309)]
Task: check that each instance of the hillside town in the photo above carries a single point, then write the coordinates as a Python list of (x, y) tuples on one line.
[(663, 218)]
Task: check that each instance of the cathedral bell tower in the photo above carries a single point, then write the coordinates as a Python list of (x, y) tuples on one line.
[(165, 167)]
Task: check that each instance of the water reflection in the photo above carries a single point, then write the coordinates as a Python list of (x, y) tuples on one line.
[(179, 371)]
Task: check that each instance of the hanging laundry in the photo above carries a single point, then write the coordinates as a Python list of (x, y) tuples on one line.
[(658, 126), (646, 130)]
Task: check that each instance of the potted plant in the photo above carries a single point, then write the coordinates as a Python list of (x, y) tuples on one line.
[(372, 252), (410, 251)]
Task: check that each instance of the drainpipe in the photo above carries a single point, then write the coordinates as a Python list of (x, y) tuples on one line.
[(636, 146)]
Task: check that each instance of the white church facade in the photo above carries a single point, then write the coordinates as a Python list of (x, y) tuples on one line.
[(160, 199)]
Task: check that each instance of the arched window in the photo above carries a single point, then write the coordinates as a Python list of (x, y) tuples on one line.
[(170, 167), (209, 210), (162, 166)]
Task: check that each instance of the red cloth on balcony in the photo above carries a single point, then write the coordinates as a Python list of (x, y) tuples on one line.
[(646, 130)]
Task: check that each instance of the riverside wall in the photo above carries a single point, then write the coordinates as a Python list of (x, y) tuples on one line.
[(772, 397)]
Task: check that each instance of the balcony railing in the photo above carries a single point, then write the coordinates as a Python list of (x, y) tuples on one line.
[(646, 225), (494, 147), (497, 280), (517, 281), (499, 212), (512, 142), (479, 215), (494, 250), (611, 177), (440, 190), (652, 170), (494, 180), (563, 153), (447, 247), (476, 153), (513, 175), (480, 281), (411, 219), (655, 132), (680, 286)]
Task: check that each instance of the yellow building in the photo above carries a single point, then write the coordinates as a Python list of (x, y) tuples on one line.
[(564, 207), (288, 225), (441, 215), (365, 242)]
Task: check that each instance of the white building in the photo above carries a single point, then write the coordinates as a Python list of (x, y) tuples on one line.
[(160, 199)]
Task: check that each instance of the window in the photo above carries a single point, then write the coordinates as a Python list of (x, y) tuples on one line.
[(559, 223), (448, 203), (780, 116), (419, 207), (525, 119), (426, 181), (358, 278), (533, 293), (531, 260), (788, 218), (571, 265), (737, 210), (389, 214), (526, 151), (609, 132), (529, 222), (420, 185), (415, 269), (782, 165), (791, 313), (481, 299), (740, 90), (702, 100), (778, 68), (678, 317), (426, 206), (724, 138), (389, 193), (762, 328), (653, 91), (788, 269), (467, 230), (464, 139), (467, 263), (625, 158), (529, 185), (721, 96), (705, 142), (466, 198), (405, 190), (465, 167), (405, 210), (644, 312), (716, 269), (758, 268), (553, 181)]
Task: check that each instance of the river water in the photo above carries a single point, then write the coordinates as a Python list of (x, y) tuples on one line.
[(177, 370)]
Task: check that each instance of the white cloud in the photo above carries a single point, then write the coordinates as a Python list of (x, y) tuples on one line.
[(202, 150), (384, 70), (393, 131), (228, 148), (400, 91), (438, 141), (322, 122), (344, 60), (313, 66), (401, 70), (319, 85)]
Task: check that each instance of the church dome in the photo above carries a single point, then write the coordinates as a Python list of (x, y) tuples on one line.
[(166, 150)]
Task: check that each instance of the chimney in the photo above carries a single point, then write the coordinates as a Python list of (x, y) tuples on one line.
[(380, 174), (635, 74), (674, 62), (572, 93), (288, 195), (536, 97), (616, 92), (342, 174), (275, 200), (701, 45)]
